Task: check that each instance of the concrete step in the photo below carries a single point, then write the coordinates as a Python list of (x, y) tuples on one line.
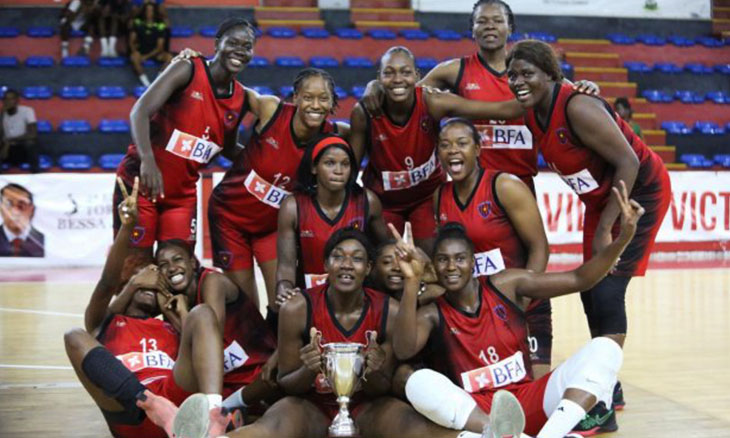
[(721, 12), (381, 14), (286, 13), (296, 24), (587, 59), (655, 137), (393, 25), (676, 166), (380, 3), (720, 25), (617, 89), (638, 104), (667, 153), (290, 3), (612, 74), (646, 120), (583, 45)]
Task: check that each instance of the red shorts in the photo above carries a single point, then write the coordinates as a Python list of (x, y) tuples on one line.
[(655, 198), (530, 395), (233, 248), (168, 219), (423, 223), (165, 387)]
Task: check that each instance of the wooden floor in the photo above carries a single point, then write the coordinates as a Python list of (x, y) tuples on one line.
[(676, 373)]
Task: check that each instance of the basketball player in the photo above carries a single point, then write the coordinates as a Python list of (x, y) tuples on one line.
[(248, 343), (244, 206), (592, 149), (477, 336), (402, 168), (190, 113), (327, 199), (126, 354)]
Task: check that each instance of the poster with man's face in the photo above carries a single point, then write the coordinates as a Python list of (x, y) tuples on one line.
[(18, 237)]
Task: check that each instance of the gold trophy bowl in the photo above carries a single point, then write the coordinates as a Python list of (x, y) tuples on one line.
[(344, 363)]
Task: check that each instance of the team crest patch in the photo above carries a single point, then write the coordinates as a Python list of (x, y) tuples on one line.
[(230, 118), (137, 234), (224, 259), (485, 208), (501, 312), (426, 124), (562, 134), (356, 224)]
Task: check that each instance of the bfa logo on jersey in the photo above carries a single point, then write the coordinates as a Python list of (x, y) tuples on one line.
[(356, 224), (224, 259), (484, 209), (472, 86), (562, 134)]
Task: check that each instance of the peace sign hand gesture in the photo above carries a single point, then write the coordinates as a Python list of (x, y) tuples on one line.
[(128, 207), (411, 264)]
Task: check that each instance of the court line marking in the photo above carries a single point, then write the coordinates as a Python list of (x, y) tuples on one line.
[(51, 385), (41, 312), (35, 367)]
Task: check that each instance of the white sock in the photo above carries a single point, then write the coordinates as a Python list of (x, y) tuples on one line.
[(113, 46), (64, 49), (104, 46), (562, 420), (235, 400), (467, 434), (88, 40), (145, 81), (214, 400)]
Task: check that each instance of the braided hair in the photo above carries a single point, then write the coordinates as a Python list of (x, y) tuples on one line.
[(310, 72), (507, 10)]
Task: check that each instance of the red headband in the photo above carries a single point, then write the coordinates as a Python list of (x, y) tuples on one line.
[(327, 142)]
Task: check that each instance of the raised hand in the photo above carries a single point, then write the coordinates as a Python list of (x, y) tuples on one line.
[(127, 209), (152, 183), (147, 278), (285, 293), (372, 99), (587, 87), (374, 354), (411, 264), (186, 53), (310, 354), (631, 211)]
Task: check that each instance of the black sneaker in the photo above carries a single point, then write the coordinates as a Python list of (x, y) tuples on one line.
[(597, 420), (618, 397)]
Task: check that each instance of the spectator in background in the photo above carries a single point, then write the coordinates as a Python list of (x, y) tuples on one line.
[(78, 15), (623, 108), (19, 132), (18, 238), (113, 14), (147, 40)]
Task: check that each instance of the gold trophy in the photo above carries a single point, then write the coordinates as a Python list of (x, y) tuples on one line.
[(344, 364)]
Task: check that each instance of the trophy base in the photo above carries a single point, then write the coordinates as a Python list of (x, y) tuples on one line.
[(343, 428)]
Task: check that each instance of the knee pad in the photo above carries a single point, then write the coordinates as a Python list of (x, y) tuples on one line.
[(598, 369), (435, 397), (108, 373), (606, 308)]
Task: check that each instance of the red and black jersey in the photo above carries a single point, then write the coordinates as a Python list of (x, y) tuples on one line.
[(403, 169), (188, 131), (248, 342), (321, 315), (482, 351), (314, 227), (496, 243), (585, 171), (253, 189), (147, 347), (506, 144)]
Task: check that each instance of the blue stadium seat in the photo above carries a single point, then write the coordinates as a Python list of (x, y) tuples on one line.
[(708, 128), (358, 91), (541, 163), (181, 32), (710, 42), (667, 67), (651, 40), (41, 31), (76, 61), (675, 128), (281, 32), (286, 90), (45, 162), (348, 33), (76, 126), (689, 96), (111, 92), (9, 32), (722, 159), (39, 61), (110, 126), (414, 34), (357, 62), (208, 31), (637, 67), (681, 41), (37, 92), (139, 90), (698, 69), (514, 37), (316, 33), (542, 36), (723, 68), (426, 63), (8, 61), (657, 96), (382, 34), (341, 93), (447, 35), (223, 161), (75, 162), (74, 92), (289, 61), (263, 89), (112, 62), (44, 126), (622, 39), (323, 62), (110, 161), (77, 33), (567, 68), (151, 63), (259, 62), (695, 161), (717, 97)]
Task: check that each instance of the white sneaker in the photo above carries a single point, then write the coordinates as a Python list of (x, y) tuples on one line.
[(506, 417), (193, 418)]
